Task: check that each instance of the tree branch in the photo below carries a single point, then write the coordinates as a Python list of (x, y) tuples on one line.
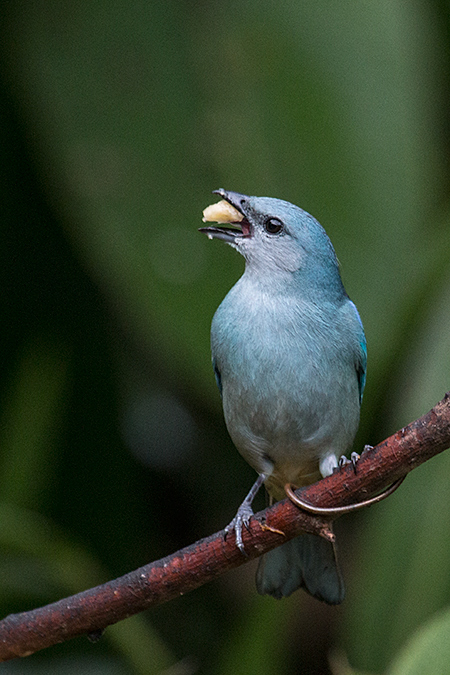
[(93, 610)]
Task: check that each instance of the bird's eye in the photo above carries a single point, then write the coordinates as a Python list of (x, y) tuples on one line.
[(273, 225)]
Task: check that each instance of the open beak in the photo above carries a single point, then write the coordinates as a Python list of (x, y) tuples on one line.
[(241, 229)]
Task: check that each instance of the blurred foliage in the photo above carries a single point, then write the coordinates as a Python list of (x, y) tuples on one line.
[(117, 120), (428, 651)]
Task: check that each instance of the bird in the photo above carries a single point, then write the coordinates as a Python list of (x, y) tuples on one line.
[(289, 355)]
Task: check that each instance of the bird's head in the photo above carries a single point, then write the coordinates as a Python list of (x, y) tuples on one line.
[(271, 234)]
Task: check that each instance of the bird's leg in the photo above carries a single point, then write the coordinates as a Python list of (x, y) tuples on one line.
[(244, 513)]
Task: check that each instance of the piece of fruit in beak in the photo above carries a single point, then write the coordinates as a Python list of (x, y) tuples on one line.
[(222, 212)]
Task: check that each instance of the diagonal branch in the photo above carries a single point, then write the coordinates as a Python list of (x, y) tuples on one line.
[(93, 610)]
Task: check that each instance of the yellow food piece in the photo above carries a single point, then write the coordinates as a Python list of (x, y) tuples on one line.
[(222, 212)]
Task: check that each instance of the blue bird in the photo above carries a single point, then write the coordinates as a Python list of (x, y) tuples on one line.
[(289, 355)]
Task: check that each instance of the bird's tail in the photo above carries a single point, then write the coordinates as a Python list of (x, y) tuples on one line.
[(307, 562)]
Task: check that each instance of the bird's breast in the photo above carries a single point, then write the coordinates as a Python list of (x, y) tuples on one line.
[(289, 383)]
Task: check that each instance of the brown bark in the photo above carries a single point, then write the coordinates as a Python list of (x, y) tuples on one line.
[(93, 610)]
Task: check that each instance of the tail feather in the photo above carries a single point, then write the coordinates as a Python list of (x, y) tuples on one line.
[(307, 562)]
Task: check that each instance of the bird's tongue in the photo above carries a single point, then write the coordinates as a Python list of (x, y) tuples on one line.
[(245, 227)]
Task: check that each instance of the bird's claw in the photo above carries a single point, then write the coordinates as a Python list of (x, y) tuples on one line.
[(354, 458), (240, 520), (244, 513)]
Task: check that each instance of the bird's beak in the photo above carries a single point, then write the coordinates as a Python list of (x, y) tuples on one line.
[(243, 227)]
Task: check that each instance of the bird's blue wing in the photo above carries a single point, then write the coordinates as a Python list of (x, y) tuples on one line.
[(217, 375), (361, 367), (361, 361)]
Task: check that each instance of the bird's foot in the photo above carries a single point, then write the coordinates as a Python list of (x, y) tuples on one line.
[(244, 513), (354, 458), (240, 520)]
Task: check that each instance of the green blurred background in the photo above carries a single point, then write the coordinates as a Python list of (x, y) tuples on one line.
[(117, 120)]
